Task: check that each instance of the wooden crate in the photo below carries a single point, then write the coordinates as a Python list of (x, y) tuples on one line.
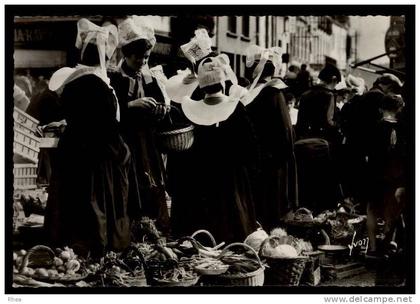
[(24, 121), (24, 176), (312, 274), (26, 145)]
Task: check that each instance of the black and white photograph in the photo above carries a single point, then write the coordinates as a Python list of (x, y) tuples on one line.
[(209, 149)]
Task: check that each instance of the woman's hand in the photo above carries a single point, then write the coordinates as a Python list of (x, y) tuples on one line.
[(145, 103), (161, 110)]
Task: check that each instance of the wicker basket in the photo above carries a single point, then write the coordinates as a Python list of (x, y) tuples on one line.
[(177, 140), (24, 121), (136, 279), (38, 256), (26, 145), (255, 278), (213, 241), (285, 272), (24, 176), (185, 283)]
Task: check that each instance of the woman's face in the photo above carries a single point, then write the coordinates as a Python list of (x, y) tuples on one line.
[(137, 61)]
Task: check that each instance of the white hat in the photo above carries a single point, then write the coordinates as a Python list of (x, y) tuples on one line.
[(255, 53), (135, 28), (202, 113), (198, 47), (356, 83), (341, 85), (105, 38), (177, 89), (59, 77)]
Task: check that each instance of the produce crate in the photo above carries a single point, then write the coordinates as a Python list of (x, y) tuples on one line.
[(312, 274), (25, 176), (24, 121), (26, 145)]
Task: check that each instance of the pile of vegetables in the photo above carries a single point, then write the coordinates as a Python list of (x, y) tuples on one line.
[(240, 263), (47, 265), (281, 245)]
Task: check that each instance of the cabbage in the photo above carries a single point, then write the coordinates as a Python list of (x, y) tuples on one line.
[(279, 251), (256, 238), (278, 232)]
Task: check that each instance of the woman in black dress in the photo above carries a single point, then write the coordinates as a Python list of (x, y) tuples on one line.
[(276, 190), (224, 151), (143, 103), (88, 199)]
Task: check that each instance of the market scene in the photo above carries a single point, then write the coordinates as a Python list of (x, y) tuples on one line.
[(209, 151)]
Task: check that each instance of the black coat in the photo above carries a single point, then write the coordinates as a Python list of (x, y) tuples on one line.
[(276, 191), (88, 198), (139, 129), (214, 191)]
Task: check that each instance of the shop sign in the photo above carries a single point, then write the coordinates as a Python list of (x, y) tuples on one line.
[(27, 35)]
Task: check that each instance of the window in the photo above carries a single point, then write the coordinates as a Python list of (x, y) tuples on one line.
[(238, 65), (257, 30), (232, 24), (245, 26)]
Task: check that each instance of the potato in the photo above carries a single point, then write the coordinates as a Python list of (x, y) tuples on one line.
[(25, 271), (15, 256), (19, 261), (52, 273), (58, 262), (31, 271), (15, 270), (70, 272), (22, 252), (41, 272)]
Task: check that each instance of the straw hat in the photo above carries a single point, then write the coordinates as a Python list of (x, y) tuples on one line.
[(135, 28), (198, 47)]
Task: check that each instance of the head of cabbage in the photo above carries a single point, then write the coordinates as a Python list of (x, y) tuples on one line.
[(256, 238)]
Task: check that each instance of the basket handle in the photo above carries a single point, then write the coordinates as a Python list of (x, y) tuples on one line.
[(202, 231), (25, 260), (172, 108), (223, 253), (303, 210)]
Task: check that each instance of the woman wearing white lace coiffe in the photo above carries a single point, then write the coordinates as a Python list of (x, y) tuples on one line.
[(88, 199)]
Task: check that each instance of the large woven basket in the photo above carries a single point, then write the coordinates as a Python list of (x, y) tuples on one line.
[(284, 271), (177, 140), (255, 278), (38, 256)]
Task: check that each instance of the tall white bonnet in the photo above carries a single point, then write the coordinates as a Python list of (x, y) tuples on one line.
[(134, 28), (106, 37), (198, 47)]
